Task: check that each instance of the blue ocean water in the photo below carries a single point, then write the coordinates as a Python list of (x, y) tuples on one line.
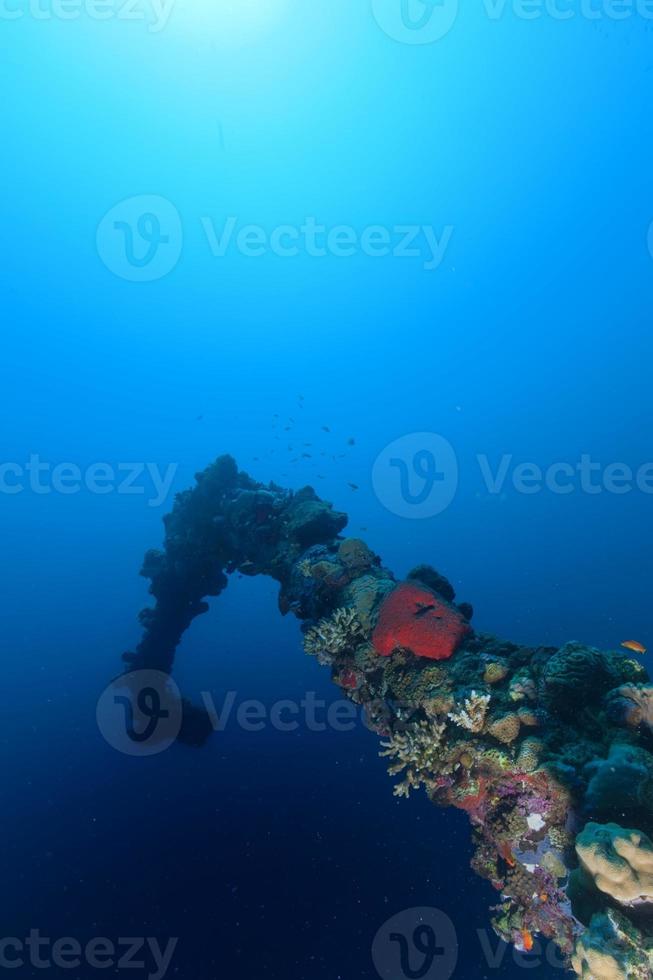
[(230, 227)]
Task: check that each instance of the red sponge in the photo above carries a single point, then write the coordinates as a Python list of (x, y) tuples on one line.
[(414, 618)]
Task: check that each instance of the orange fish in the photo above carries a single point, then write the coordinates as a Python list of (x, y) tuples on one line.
[(634, 646), (527, 939), (507, 855)]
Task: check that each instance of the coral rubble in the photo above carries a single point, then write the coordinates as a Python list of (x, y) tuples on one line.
[(546, 750)]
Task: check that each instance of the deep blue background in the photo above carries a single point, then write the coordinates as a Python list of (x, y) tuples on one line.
[(276, 854)]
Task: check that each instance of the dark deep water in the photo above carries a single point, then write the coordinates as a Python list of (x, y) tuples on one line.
[(281, 854), (274, 853)]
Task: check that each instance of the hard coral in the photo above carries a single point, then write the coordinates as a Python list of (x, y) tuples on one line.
[(612, 949), (574, 677), (472, 715), (336, 634), (619, 861), (505, 729), (417, 750), (416, 619), (632, 705)]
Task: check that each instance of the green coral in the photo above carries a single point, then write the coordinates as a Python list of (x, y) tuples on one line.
[(574, 677)]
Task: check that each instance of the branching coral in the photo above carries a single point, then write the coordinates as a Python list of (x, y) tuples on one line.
[(418, 751), (472, 715), (333, 635)]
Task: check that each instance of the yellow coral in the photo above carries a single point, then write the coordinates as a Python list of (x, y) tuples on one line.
[(530, 754), (528, 718), (619, 861), (505, 729), (495, 672), (416, 750)]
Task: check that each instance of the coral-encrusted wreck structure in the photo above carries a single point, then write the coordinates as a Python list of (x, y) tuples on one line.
[(549, 752)]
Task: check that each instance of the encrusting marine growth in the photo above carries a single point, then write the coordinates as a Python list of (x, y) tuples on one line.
[(548, 751)]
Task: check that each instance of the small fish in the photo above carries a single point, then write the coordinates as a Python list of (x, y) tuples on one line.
[(634, 646), (544, 897), (351, 442), (423, 608), (307, 443), (354, 486), (199, 418), (527, 939), (507, 855), (325, 428), (306, 456)]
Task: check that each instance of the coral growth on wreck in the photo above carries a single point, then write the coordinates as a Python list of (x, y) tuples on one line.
[(415, 618), (546, 750)]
